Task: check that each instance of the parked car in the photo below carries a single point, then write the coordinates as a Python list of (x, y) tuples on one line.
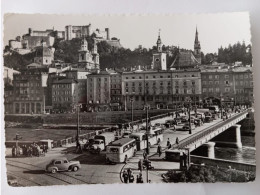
[(169, 123), (62, 164), (126, 134), (186, 127), (184, 119)]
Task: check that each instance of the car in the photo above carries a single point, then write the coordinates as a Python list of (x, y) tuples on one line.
[(62, 164), (186, 127), (126, 134), (169, 123), (184, 119)]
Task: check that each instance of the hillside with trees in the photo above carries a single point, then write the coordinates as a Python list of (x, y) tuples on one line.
[(111, 57)]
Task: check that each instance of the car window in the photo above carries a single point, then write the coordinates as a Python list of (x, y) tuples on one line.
[(57, 162), (65, 161)]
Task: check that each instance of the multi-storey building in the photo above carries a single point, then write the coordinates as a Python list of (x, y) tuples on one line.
[(116, 91), (29, 91), (98, 91), (64, 95), (160, 89), (80, 75), (232, 86)]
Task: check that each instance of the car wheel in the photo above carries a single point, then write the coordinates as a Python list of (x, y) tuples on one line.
[(75, 169), (53, 170)]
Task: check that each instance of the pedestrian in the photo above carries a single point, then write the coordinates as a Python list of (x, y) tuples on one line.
[(169, 146), (131, 178), (13, 151), (125, 176), (140, 178), (177, 141), (129, 173), (140, 165), (145, 155), (159, 150), (168, 142)]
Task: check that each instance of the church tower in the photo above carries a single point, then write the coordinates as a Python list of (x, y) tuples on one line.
[(159, 58), (95, 55), (88, 59), (197, 48)]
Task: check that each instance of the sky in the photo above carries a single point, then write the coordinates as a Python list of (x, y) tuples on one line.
[(214, 30)]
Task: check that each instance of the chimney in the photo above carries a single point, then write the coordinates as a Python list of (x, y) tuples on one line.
[(30, 31), (108, 35)]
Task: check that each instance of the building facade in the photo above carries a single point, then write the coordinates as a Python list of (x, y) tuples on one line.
[(29, 91), (98, 91), (64, 95), (160, 89), (231, 85)]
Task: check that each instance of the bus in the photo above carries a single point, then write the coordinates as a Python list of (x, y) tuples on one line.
[(155, 136), (121, 150)]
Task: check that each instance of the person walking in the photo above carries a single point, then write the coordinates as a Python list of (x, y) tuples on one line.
[(129, 173), (145, 155), (13, 151), (131, 178), (159, 150), (168, 142), (140, 165), (125, 176), (177, 141)]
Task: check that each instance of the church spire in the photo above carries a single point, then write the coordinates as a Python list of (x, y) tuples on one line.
[(159, 42), (197, 48)]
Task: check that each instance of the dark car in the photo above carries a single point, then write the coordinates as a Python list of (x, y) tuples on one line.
[(62, 165), (169, 123)]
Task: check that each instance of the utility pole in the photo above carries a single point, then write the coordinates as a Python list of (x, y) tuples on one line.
[(221, 112), (132, 109), (147, 142), (189, 107)]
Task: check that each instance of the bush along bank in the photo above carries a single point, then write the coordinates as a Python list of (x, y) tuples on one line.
[(208, 174)]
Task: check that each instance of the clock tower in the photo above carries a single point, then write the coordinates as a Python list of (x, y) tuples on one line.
[(159, 58)]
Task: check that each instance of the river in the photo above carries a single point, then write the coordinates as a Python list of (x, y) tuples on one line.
[(246, 154)]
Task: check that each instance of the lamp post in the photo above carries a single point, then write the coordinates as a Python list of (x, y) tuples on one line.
[(147, 107), (132, 109), (77, 135), (189, 109), (221, 112)]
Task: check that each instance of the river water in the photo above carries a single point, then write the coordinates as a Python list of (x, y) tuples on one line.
[(244, 155)]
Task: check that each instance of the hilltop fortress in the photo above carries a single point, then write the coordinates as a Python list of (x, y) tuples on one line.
[(33, 38)]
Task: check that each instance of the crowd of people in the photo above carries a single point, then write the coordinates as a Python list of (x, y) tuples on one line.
[(29, 151)]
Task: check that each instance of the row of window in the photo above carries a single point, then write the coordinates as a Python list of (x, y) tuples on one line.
[(161, 83), (161, 76), (62, 92), (61, 86), (216, 89), (58, 99), (161, 91)]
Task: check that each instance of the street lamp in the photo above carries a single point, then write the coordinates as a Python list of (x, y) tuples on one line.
[(147, 107), (189, 109), (221, 112), (132, 108), (77, 135)]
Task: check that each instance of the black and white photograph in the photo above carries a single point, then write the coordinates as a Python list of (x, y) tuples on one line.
[(128, 99)]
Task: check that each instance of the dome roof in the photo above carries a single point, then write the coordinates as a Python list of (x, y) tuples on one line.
[(43, 51)]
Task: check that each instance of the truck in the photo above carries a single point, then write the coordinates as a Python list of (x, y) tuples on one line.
[(101, 141)]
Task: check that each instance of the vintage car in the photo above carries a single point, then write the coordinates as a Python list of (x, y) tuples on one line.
[(62, 164), (186, 127)]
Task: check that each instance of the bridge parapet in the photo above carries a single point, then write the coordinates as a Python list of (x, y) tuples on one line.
[(197, 139)]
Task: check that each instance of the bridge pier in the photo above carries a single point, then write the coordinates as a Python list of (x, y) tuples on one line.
[(211, 149), (238, 142), (230, 138)]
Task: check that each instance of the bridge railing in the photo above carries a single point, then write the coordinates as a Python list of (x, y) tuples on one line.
[(197, 136)]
